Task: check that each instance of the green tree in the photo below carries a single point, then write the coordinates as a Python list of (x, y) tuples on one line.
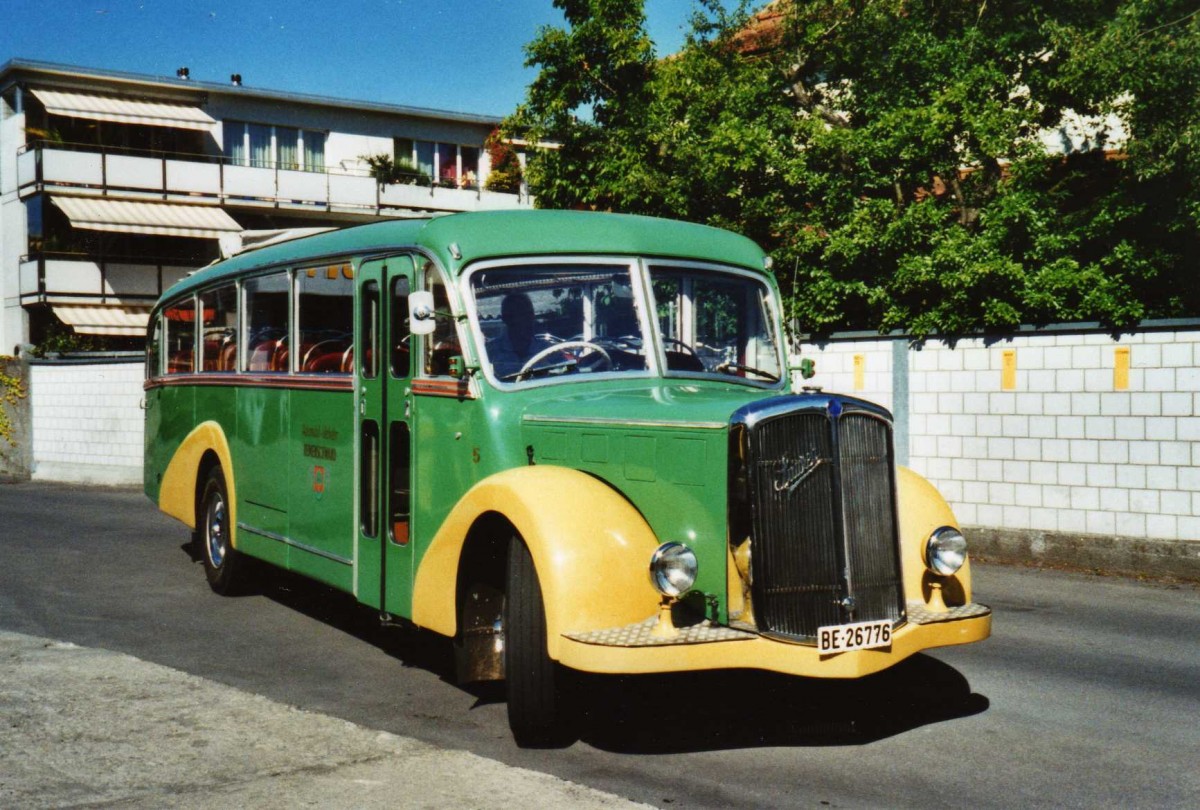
[(889, 153), (589, 94)]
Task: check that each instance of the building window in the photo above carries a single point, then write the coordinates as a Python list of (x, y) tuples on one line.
[(288, 141), (423, 150), (447, 168), (313, 148), (449, 164), (258, 142), (35, 225), (269, 147), (470, 166)]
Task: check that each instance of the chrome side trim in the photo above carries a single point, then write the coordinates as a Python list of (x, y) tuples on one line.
[(294, 543), (635, 423)]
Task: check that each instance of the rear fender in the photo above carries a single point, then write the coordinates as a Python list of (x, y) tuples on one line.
[(177, 495)]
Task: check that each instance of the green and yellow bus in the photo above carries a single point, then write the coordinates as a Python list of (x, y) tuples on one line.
[(564, 440)]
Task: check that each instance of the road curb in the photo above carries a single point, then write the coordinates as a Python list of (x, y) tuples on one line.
[(89, 726), (1127, 556)]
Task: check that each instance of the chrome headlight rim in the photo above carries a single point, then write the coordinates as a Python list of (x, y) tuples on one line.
[(673, 569), (946, 551)]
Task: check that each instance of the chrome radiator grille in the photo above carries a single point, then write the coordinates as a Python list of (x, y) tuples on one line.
[(819, 506)]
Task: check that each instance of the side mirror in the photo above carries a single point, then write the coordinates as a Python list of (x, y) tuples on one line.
[(422, 319)]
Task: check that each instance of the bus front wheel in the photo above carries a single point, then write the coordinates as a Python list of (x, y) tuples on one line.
[(539, 709), (224, 567)]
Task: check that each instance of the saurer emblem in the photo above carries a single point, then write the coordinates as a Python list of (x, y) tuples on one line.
[(794, 472)]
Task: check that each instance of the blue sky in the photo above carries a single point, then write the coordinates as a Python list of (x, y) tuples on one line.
[(463, 55)]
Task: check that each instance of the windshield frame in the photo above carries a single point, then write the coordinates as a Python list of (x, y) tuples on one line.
[(639, 268)]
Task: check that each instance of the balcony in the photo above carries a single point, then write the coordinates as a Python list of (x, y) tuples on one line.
[(91, 170), (67, 278), (98, 296)]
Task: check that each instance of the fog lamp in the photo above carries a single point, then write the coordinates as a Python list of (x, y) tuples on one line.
[(673, 569), (946, 551)]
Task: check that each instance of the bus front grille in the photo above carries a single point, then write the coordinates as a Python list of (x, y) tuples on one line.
[(817, 493)]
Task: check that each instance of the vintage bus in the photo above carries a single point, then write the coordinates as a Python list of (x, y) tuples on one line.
[(565, 440)]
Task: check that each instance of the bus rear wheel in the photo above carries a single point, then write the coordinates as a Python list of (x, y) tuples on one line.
[(540, 713), (224, 566)]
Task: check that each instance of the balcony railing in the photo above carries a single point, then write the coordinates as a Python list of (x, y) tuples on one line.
[(82, 279), (88, 169)]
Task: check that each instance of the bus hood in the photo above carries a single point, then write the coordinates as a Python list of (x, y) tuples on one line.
[(680, 405)]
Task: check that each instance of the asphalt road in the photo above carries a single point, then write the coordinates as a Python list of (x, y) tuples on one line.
[(1087, 695)]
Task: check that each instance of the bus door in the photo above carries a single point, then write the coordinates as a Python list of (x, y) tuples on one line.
[(382, 374)]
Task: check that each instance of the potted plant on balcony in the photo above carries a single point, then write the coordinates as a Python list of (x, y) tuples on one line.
[(389, 171)]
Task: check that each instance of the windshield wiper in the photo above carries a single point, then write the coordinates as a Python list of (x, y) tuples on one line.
[(730, 367)]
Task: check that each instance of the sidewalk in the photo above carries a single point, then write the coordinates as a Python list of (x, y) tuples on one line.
[(82, 726)]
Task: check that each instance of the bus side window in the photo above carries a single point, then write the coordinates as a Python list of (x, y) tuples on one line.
[(153, 348), (326, 319), (369, 331), (267, 323), (401, 335), (218, 340), (443, 343), (181, 336)]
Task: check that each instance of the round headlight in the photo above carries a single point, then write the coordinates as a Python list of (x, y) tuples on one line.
[(946, 551), (673, 569)]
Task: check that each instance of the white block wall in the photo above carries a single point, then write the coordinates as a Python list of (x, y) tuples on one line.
[(87, 422), (1064, 450)]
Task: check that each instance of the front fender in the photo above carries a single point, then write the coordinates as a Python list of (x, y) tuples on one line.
[(591, 549), (923, 509), (177, 495)]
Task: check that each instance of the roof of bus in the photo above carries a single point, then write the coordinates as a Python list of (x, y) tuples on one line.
[(496, 234)]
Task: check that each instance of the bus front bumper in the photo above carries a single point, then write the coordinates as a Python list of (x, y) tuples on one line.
[(635, 649)]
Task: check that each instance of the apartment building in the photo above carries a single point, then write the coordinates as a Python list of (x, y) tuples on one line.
[(113, 185)]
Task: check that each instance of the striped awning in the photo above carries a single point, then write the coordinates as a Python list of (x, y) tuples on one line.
[(105, 320), (124, 110), (164, 219)]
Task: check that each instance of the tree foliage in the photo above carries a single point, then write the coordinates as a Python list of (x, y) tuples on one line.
[(890, 154)]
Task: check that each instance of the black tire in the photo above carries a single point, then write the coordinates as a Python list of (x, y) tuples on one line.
[(539, 709), (224, 567)]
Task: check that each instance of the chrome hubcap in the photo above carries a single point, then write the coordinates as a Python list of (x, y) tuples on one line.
[(216, 530)]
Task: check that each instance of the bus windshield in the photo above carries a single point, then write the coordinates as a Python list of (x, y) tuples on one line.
[(546, 321)]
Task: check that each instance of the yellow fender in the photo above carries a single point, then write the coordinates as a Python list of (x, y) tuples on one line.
[(923, 509), (177, 495), (590, 547)]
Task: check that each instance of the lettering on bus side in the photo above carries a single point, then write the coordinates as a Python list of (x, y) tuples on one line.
[(319, 432), (321, 452)]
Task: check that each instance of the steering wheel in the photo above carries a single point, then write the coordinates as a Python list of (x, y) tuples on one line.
[(686, 347), (558, 347)]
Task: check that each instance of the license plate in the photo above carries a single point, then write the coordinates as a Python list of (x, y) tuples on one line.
[(836, 638)]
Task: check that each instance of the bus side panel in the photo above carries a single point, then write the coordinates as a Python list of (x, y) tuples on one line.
[(260, 455), (321, 483), (154, 461), (218, 404), (170, 418)]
